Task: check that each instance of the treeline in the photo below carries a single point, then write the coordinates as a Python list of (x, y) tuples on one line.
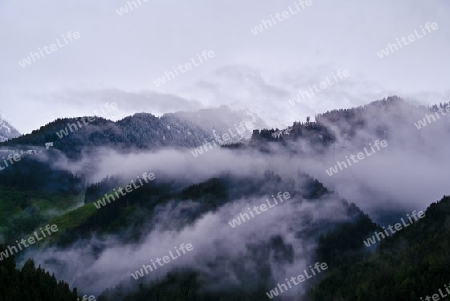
[(339, 243), (73, 144), (413, 263), (141, 131), (33, 175), (349, 121), (97, 190), (137, 208), (316, 133), (338, 246), (31, 283), (182, 286)]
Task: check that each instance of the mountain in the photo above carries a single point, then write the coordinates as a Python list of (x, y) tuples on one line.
[(383, 119), (141, 131), (410, 264), (204, 202), (221, 119), (7, 131), (16, 283), (271, 243)]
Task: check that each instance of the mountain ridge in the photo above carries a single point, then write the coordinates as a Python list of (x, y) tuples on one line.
[(140, 131)]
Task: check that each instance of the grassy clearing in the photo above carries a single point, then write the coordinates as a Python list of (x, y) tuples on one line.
[(22, 212), (70, 220)]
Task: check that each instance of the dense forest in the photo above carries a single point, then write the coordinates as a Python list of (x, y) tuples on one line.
[(413, 263), (30, 174), (31, 283)]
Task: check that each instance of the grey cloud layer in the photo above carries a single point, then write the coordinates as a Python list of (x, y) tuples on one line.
[(126, 53)]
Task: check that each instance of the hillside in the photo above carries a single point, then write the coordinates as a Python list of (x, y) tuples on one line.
[(413, 263), (142, 131), (16, 283)]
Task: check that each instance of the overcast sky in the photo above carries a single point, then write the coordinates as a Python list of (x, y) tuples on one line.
[(118, 58)]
